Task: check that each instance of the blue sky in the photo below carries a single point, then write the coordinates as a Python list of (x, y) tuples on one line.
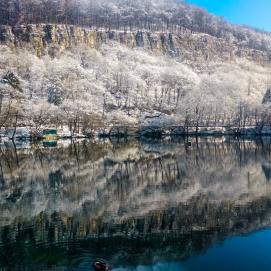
[(255, 13)]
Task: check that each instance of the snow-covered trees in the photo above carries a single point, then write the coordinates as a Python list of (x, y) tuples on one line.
[(10, 97), (180, 74), (55, 92), (118, 84)]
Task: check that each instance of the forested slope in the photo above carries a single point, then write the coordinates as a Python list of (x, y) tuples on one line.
[(115, 61)]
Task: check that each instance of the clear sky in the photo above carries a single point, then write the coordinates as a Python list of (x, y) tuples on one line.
[(255, 13)]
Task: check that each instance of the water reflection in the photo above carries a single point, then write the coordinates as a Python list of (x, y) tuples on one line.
[(132, 203)]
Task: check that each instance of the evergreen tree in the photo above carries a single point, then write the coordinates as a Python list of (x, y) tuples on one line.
[(55, 92)]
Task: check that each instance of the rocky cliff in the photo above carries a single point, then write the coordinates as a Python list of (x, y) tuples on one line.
[(185, 45)]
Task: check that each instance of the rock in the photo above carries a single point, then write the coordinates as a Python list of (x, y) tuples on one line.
[(53, 39), (155, 125)]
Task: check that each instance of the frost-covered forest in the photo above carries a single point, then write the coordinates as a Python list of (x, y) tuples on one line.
[(156, 58)]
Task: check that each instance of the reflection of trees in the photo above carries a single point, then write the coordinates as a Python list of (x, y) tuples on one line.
[(132, 174), (155, 192)]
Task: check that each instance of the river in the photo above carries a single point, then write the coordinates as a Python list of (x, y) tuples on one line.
[(141, 205)]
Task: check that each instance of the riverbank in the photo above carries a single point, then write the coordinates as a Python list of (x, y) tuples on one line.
[(144, 132)]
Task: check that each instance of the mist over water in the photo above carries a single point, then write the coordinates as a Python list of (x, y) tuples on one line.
[(141, 205)]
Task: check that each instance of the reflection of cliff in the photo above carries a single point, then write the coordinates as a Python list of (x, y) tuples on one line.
[(155, 191), (197, 227), (130, 180)]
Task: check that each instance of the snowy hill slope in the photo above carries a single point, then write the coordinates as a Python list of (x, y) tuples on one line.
[(80, 74)]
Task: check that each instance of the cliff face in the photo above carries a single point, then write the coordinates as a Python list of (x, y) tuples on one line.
[(121, 75), (53, 39)]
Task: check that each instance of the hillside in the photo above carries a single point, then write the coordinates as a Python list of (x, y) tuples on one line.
[(114, 66)]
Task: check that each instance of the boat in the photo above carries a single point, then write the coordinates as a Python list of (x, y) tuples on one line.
[(50, 134)]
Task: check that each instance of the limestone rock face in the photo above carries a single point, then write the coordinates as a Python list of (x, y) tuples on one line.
[(52, 39)]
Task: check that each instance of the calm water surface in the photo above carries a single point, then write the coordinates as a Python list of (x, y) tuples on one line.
[(146, 206)]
